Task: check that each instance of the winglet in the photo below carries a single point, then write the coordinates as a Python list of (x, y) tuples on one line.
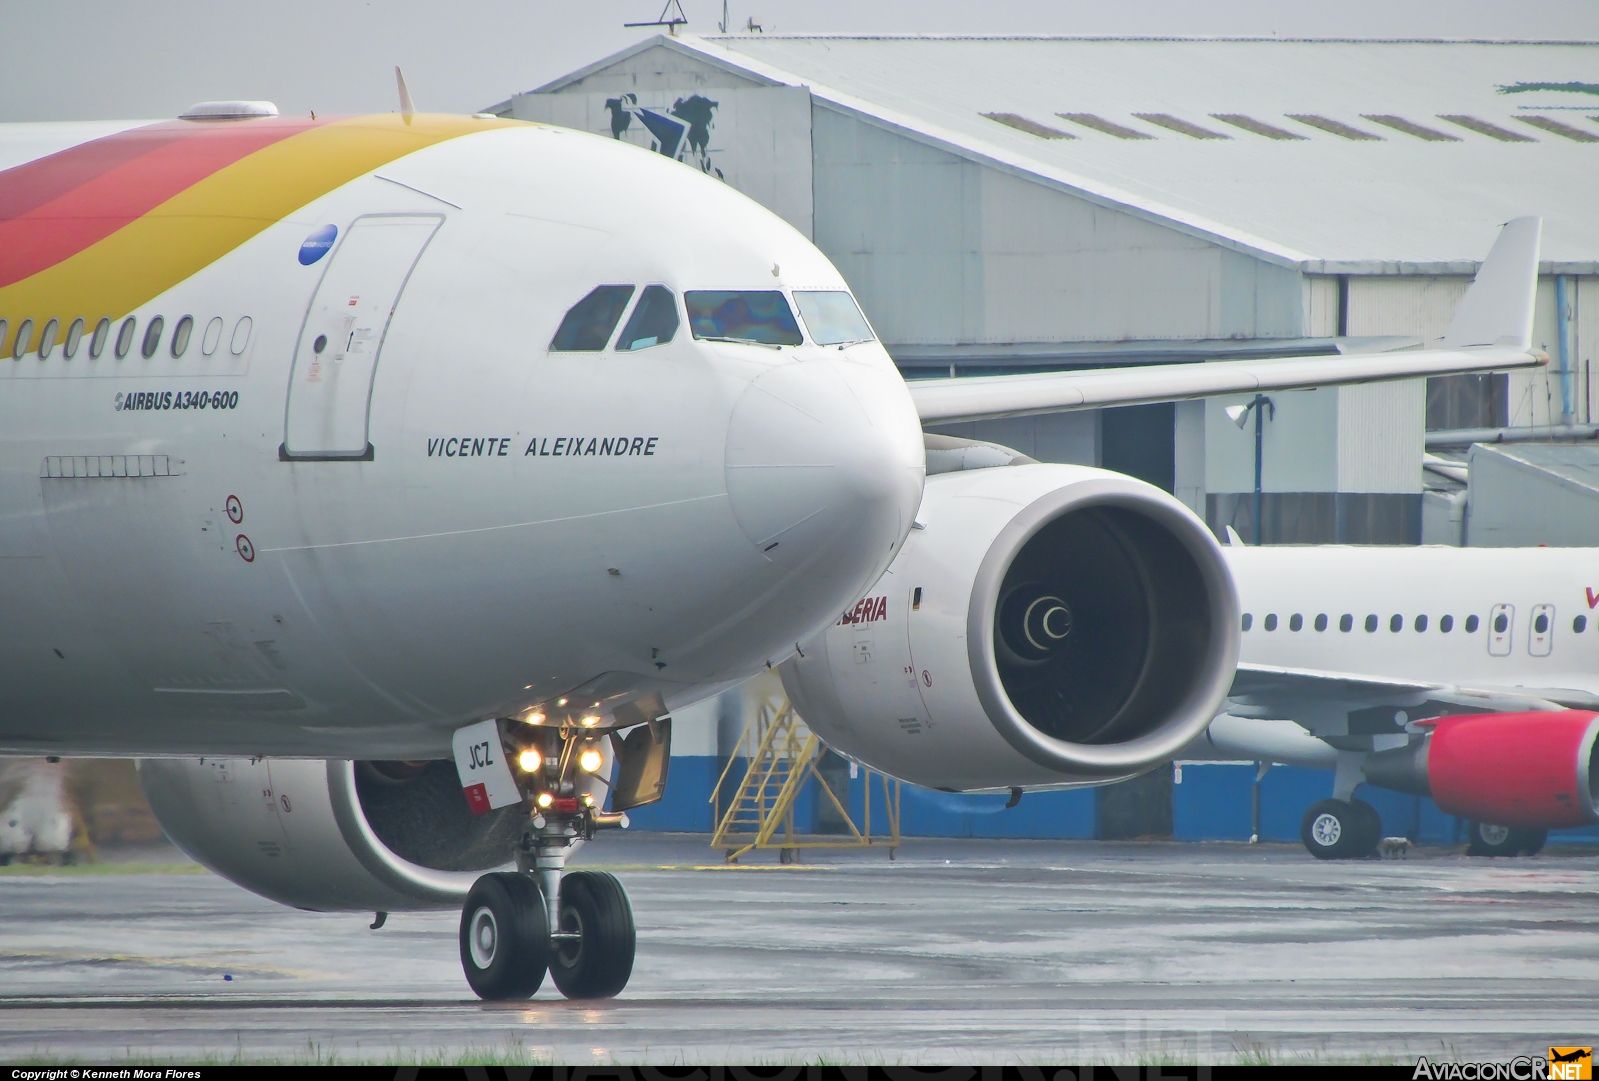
[(1497, 309), (407, 110)]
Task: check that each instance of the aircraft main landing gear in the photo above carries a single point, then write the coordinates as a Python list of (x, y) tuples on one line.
[(1487, 839), (1336, 829)]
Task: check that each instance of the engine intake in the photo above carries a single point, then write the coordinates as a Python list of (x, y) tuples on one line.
[(1049, 624), (331, 836)]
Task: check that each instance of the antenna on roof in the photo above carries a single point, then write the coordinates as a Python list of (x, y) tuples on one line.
[(407, 110), (672, 17), (722, 26)]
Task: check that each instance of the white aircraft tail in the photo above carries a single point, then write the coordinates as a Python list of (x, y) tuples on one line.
[(1497, 309)]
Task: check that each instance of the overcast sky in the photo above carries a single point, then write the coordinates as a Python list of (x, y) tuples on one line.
[(80, 60)]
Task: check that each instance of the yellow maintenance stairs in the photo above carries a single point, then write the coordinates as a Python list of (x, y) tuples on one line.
[(782, 754)]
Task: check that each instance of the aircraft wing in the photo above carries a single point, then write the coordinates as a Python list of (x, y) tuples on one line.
[(1491, 331), (1324, 702)]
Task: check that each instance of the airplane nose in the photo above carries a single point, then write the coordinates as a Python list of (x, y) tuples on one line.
[(824, 465)]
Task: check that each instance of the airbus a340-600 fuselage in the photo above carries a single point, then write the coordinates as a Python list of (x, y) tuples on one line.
[(320, 486)]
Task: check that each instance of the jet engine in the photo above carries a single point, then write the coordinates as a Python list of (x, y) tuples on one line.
[(1042, 625), (1534, 770), (329, 836)]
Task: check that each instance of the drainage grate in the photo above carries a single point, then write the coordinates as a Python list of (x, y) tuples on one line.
[(1482, 127), (1031, 127), (1399, 123), (1334, 127), (1182, 127), (1099, 123), (1555, 127), (105, 466), (1249, 123)]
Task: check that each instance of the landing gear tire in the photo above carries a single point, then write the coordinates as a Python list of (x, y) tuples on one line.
[(505, 936), (598, 963), (1487, 839), (1336, 829)]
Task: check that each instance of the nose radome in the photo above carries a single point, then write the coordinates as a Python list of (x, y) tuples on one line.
[(824, 459)]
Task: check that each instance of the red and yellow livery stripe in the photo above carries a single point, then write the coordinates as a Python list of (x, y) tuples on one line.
[(103, 227)]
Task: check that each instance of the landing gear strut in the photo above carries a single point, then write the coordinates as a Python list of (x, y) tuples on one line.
[(577, 926)]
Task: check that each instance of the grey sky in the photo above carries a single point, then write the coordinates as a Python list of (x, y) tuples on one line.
[(74, 59)]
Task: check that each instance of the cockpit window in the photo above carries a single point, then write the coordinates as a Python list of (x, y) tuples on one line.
[(587, 327), (832, 317), (755, 315), (653, 322)]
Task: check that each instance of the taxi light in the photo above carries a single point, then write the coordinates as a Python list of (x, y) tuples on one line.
[(560, 701), (535, 717), (590, 759), (544, 799), (588, 799), (530, 760), (590, 721)]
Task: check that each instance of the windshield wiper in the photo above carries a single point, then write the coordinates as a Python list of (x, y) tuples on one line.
[(735, 341)]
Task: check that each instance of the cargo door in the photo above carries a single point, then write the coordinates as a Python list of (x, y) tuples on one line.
[(1541, 632), (337, 355), (1501, 624)]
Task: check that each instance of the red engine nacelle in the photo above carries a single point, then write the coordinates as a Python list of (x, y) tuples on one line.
[(1536, 770)]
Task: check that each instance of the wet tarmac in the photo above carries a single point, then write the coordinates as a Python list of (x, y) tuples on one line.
[(963, 951)]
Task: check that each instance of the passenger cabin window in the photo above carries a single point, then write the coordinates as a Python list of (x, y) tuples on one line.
[(180, 336), (756, 315), (74, 335), (1471, 624), (213, 335), (1579, 624), (1446, 623), (1321, 622), (1396, 623), (1271, 621), (1371, 624), (1346, 622), (1296, 622), (1421, 623), (102, 331), (125, 336), (653, 322), (587, 327), (1249, 621), (832, 317), (24, 340), (152, 337), (47, 340)]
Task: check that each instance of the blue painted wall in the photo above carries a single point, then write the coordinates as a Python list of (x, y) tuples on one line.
[(1211, 803)]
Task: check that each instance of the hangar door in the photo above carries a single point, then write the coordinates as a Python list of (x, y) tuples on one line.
[(337, 355)]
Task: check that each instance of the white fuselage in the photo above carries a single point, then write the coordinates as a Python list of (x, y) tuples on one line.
[(529, 524), (1432, 582)]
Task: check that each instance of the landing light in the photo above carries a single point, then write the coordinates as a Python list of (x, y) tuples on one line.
[(590, 759), (544, 799), (530, 760), (590, 721), (560, 701), (535, 717)]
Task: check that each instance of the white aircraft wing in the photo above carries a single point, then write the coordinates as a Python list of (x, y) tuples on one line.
[(1491, 331), (1322, 701)]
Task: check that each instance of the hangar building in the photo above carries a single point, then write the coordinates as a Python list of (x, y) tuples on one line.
[(1015, 203), (1006, 204)]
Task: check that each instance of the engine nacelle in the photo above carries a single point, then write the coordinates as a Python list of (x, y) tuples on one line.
[(330, 836), (1535, 770), (1042, 625)]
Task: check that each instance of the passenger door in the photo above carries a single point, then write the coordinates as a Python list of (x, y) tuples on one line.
[(1501, 625), (1541, 633), (336, 359)]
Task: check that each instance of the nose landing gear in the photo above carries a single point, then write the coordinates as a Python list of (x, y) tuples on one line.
[(577, 926)]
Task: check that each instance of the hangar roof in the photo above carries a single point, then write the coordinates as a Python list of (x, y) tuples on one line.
[(1331, 156)]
